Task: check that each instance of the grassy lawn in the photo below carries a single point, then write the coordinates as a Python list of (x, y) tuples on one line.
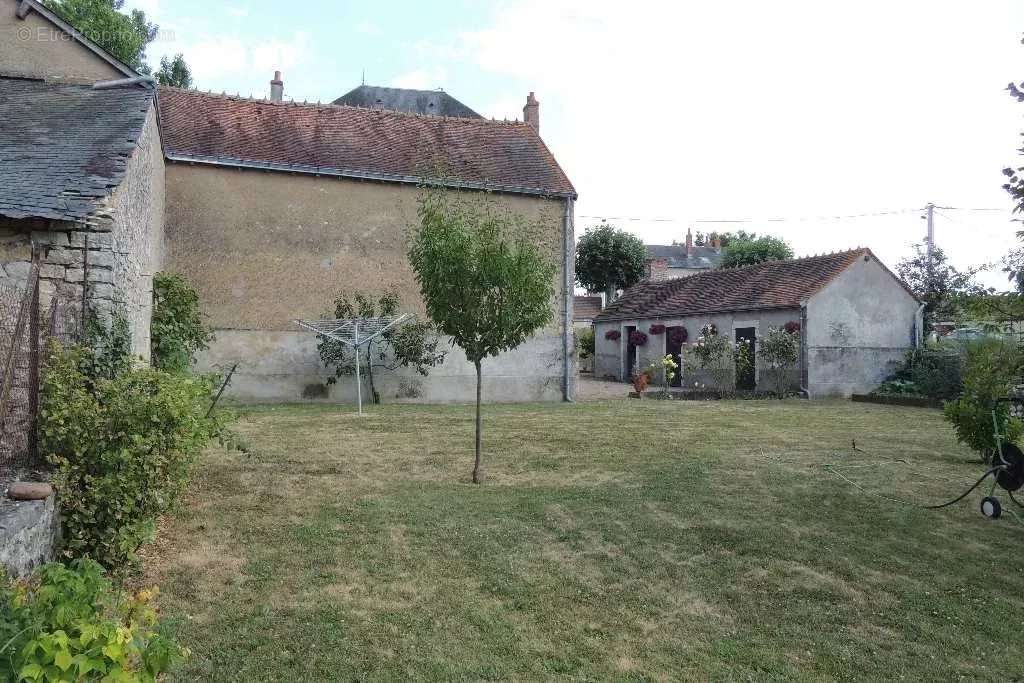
[(617, 540)]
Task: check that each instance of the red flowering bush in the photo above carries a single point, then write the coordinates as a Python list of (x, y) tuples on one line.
[(792, 327), (657, 328), (612, 334), (640, 382), (637, 338), (678, 335)]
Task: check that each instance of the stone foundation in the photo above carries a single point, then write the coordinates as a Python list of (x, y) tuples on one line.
[(29, 534)]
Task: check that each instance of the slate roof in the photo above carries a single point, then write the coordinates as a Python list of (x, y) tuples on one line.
[(585, 307), (702, 258), (765, 286), (354, 142), (435, 102), (64, 148)]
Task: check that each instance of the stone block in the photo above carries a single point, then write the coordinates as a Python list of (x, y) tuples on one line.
[(64, 257), (101, 259), (97, 240), (101, 290), (18, 270), (29, 490), (51, 270), (47, 237)]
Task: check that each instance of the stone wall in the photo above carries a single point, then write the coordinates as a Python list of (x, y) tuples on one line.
[(29, 534)]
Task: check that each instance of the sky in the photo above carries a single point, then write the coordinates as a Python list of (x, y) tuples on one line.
[(796, 118)]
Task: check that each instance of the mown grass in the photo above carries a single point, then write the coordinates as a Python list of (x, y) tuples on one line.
[(618, 540)]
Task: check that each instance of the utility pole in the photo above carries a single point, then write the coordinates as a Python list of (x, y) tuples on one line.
[(930, 209)]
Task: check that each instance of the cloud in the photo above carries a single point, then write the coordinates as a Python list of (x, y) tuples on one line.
[(367, 28), (421, 79), (236, 11)]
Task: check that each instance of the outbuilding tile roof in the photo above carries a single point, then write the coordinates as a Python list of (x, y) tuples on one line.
[(772, 285), (355, 142), (64, 148)]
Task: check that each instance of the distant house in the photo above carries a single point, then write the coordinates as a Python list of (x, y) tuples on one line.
[(585, 309), (670, 261), (857, 320), (435, 102)]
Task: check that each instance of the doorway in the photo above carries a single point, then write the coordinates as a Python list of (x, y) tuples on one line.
[(630, 354), (746, 377), (674, 348)]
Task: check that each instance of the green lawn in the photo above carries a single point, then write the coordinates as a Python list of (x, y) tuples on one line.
[(618, 540)]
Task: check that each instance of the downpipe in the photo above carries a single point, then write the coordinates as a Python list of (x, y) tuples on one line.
[(567, 289)]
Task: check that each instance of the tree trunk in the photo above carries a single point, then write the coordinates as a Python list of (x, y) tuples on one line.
[(609, 294), (369, 372), (479, 424)]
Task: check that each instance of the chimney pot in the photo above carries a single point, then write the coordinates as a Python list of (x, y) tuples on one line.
[(276, 88), (717, 243), (531, 112), (689, 242)]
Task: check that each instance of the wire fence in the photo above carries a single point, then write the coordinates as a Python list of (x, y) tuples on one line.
[(26, 326)]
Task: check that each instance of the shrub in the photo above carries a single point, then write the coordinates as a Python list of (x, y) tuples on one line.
[(613, 335), (657, 329), (780, 350), (121, 450), (178, 329), (640, 381), (69, 624), (585, 342), (991, 368), (637, 338), (715, 355), (935, 373)]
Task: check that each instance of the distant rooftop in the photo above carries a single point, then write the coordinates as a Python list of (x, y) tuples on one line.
[(699, 258), (436, 102)]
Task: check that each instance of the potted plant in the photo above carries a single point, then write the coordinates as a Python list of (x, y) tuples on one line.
[(612, 335)]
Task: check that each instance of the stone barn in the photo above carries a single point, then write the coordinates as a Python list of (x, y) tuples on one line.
[(856, 320)]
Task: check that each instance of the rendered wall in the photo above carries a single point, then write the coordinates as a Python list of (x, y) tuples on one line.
[(265, 248), (36, 48), (609, 360), (859, 328)]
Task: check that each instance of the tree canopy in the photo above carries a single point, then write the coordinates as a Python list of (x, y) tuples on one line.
[(939, 286), (482, 276), (1013, 263), (174, 72), (125, 36), (747, 252), (609, 259)]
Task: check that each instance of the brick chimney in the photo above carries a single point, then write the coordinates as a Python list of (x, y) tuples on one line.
[(689, 242), (657, 269), (717, 244), (276, 88), (531, 112)]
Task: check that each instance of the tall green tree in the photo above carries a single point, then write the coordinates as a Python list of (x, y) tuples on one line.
[(609, 259), (125, 36), (174, 72), (413, 345), (1013, 263), (482, 276), (747, 251), (178, 329), (938, 286)]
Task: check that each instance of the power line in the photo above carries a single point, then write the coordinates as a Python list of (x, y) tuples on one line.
[(867, 214)]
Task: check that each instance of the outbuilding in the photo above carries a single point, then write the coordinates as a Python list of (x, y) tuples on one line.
[(855, 319)]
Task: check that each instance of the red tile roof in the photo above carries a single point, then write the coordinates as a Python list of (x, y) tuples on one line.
[(773, 285), (585, 307), (366, 143)]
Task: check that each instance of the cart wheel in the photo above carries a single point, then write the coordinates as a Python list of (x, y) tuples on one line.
[(991, 508)]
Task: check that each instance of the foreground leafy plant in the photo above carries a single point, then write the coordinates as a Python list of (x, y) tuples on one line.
[(780, 350), (991, 368), (69, 624), (121, 450)]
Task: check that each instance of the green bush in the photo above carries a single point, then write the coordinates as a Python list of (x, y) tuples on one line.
[(178, 329), (121, 448), (991, 368), (932, 372), (69, 624), (585, 342)]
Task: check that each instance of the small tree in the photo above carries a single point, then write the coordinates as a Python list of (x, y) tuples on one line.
[(609, 259), (780, 350), (483, 278), (174, 72), (125, 36), (178, 329), (747, 252), (413, 345)]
